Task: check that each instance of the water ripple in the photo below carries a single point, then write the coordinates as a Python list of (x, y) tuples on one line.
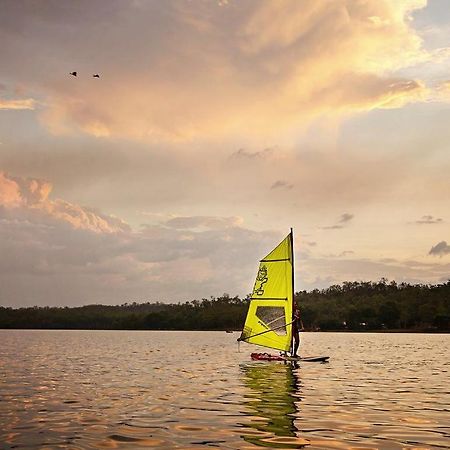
[(123, 390)]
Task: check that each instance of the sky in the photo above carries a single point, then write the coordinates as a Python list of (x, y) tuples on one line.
[(213, 128)]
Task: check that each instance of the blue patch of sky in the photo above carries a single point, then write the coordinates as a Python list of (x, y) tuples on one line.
[(436, 12), (433, 24), (415, 127)]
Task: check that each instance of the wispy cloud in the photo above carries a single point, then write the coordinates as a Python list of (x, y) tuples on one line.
[(342, 254), (18, 104), (281, 184), (245, 154), (341, 223), (206, 222), (346, 217), (426, 220), (339, 270), (442, 92)]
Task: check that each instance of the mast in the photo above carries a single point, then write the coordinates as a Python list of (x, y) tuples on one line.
[(293, 278)]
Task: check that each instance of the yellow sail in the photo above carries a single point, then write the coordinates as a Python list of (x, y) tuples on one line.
[(269, 316)]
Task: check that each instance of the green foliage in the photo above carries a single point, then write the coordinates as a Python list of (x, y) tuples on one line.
[(351, 306), (377, 306)]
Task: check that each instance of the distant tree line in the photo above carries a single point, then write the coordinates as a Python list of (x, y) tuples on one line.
[(353, 306), (378, 305)]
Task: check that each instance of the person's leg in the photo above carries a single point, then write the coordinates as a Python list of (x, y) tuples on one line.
[(296, 343)]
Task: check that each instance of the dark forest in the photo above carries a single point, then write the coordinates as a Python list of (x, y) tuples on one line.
[(352, 306)]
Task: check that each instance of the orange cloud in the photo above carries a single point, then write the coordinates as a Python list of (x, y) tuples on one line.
[(443, 90), (256, 70), (31, 195), (9, 192), (27, 103)]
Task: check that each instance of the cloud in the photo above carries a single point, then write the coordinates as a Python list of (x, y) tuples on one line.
[(30, 197), (440, 249), (17, 104), (429, 220), (338, 270), (249, 87), (341, 254), (342, 222), (281, 184), (223, 70), (245, 154), (206, 222), (9, 192), (51, 262), (58, 253), (443, 91), (346, 217)]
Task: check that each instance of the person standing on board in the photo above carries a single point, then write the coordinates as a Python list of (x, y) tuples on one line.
[(297, 326)]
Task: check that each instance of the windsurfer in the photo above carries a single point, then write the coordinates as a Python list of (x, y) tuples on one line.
[(297, 326)]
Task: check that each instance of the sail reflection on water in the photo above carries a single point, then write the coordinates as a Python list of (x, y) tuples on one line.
[(271, 400)]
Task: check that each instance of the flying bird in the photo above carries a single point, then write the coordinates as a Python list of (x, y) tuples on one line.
[(96, 75), (73, 73)]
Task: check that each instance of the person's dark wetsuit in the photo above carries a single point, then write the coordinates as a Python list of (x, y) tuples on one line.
[(297, 326)]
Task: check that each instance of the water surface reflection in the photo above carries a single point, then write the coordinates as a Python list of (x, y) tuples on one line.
[(273, 398), (128, 390)]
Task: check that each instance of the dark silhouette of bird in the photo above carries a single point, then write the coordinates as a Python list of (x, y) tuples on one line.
[(96, 75), (73, 73)]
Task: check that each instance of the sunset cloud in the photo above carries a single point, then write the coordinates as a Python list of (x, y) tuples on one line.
[(440, 249), (427, 220), (223, 70), (281, 184), (9, 192), (346, 217), (242, 153), (338, 270), (213, 129), (342, 222), (443, 90), (17, 104), (91, 257), (203, 222), (179, 260), (30, 196)]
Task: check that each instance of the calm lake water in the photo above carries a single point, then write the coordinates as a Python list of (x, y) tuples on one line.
[(156, 389)]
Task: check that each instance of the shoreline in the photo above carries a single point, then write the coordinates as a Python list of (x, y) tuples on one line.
[(234, 331)]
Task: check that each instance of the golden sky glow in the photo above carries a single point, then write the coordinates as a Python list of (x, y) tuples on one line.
[(214, 127)]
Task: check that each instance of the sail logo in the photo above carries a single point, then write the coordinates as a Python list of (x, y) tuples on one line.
[(261, 280)]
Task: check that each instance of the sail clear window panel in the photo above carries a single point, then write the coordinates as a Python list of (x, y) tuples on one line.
[(273, 317)]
